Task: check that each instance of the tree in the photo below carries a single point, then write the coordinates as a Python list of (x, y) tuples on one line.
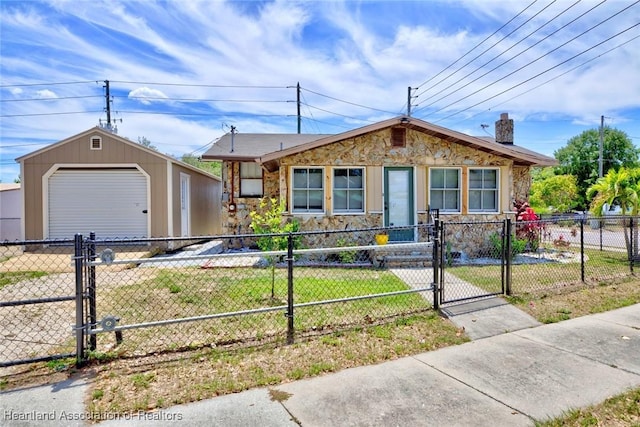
[(270, 223), (580, 157), (621, 187), (214, 168), (557, 191), (146, 143)]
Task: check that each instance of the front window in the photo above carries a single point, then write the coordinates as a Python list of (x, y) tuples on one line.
[(250, 180), (445, 189), (348, 190), (483, 190), (308, 190)]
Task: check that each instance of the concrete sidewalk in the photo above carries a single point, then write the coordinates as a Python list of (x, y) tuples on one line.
[(509, 379)]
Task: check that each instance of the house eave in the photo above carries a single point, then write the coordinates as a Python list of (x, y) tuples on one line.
[(511, 152)]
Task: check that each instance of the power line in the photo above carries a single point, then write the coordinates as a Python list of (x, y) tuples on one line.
[(309, 109), (51, 114), (486, 50), (476, 46), (348, 102), (510, 59), (200, 85), (49, 84), (198, 99), (546, 54), (338, 114), (539, 74), (326, 123), (51, 99), (197, 114), (556, 77)]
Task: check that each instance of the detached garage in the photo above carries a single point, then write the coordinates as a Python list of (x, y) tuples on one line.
[(84, 200), (98, 181)]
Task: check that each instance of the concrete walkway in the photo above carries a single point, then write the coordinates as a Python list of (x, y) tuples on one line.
[(479, 318), (509, 379)]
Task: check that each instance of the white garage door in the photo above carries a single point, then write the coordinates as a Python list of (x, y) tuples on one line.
[(111, 202)]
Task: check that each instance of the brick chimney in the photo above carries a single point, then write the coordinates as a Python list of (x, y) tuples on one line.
[(504, 129)]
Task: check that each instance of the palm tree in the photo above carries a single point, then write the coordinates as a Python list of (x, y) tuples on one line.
[(620, 187)]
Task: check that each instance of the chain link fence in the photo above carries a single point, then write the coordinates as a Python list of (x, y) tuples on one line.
[(548, 255), (37, 300), (136, 297), (212, 295)]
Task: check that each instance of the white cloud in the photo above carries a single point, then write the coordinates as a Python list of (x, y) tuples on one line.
[(344, 50), (46, 94), (143, 94)]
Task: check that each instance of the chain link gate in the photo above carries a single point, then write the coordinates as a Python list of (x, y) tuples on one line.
[(464, 244), (41, 300)]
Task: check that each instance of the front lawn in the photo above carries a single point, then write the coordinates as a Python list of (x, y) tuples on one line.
[(193, 292)]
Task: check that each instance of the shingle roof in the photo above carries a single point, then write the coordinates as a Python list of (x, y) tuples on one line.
[(250, 146), (267, 149)]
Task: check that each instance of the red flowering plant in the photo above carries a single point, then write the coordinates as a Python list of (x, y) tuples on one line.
[(528, 225)]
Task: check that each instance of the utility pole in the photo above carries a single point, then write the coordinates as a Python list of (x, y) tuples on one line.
[(601, 151), (298, 102), (409, 98), (107, 98)]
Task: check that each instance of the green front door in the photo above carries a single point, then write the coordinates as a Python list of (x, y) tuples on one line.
[(398, 203)]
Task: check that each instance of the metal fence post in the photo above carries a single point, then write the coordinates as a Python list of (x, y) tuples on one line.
[(79, 327), (631, 245), (92, 291), (508, 255), (436, 264), (441, 262), (582, 220), (290, 328)]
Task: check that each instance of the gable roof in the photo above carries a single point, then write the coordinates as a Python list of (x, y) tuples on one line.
[(267, 149), (103, 132), (249, 146)]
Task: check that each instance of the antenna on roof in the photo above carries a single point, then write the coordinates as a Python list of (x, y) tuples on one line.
[(233, 134)]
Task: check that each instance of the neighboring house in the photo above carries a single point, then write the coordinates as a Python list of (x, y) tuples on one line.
[(101, 182), (390, 173), (10, 212)]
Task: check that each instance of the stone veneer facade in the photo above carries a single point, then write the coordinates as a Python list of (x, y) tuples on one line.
[(374, 151)]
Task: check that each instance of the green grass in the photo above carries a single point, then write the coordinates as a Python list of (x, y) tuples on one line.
[(599, 266), (190, 292), (620, 410), (10, 277)]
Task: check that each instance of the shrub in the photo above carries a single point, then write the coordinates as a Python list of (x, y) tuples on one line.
[(518, 246), (346, 256)]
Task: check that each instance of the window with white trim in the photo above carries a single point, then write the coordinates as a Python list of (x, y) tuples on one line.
[(444, 189), (348, 190), (308, 190), (250, 180), (483, 190)]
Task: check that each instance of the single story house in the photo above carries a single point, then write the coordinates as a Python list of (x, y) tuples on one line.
[(101, 182), (10, 212), (389, 173)]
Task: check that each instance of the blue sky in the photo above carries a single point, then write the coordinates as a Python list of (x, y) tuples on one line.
[(181, 72)]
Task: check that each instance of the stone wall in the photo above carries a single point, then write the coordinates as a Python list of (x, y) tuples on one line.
[(372, 149)]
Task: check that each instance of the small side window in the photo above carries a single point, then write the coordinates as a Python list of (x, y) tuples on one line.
[(96, 143)]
